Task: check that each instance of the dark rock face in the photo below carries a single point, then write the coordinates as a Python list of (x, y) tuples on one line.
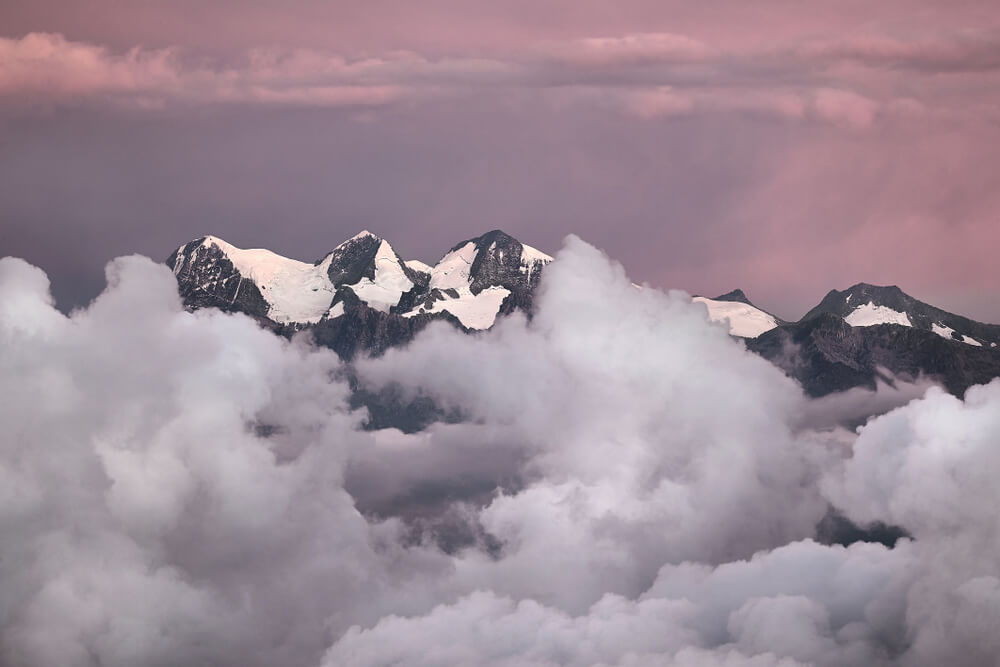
[(354, 260), (498, 263), (207, 279), (736, 295), (834, 528), (920, 314), (821, 351), (362, 329), (826, 355)]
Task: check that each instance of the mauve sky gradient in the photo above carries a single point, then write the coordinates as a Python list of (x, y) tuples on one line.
[(783, 147)]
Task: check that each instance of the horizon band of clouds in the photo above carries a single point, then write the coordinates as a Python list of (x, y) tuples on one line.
[(645, 75)]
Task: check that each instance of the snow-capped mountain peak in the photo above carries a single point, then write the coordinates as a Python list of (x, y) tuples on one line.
[(473, 283), (361, 297), (735, 295), (483, 277), (368, 266), (865, 305), (744, 319), (257, 281)]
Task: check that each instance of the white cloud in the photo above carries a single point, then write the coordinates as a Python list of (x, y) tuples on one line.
[(661, 502)]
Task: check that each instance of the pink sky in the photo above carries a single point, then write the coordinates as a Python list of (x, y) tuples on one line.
[(783, 147)]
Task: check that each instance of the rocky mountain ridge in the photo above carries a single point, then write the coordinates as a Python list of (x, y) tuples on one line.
[(363, 297)]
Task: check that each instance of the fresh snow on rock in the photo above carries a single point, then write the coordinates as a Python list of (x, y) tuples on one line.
[(297, 292), (530, 257), (364, 233), (943, 331), (390, 281), (452, 272), (869, 314), (417, 265), (475, 311), (946, 332), (744, 320)]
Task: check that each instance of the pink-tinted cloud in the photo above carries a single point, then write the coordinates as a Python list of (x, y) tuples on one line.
[(46, 67), (658, 102), (633, 49), (844, 107), (968, 50), (648, 75)]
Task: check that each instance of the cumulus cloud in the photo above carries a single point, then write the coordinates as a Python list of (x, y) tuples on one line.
[(635, 488), (930, 466), (153, 525)]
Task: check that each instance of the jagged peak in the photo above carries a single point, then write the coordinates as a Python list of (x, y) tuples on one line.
[(494, 235), (363, 234), (869, 287), (497, 238), (206, 241), (242, 257), (734, 295), (484, 240)]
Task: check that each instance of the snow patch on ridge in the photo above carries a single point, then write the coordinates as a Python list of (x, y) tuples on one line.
[(390, 280), (417, 265), (744, 320), (475, 311), (869, 314), (452, 272), (296, 292), (336, 311), (530, 257), (942, 330)]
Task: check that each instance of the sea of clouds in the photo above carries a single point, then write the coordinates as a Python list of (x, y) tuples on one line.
[(629, 486)]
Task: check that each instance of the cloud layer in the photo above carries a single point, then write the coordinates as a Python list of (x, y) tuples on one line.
[(186, 488), (849, 82)]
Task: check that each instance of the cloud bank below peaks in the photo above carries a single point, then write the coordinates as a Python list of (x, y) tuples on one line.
[(644, 492)]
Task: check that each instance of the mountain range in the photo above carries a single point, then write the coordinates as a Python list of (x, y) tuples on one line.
[(363, 297)]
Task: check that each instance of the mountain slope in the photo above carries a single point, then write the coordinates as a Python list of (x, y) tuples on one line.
[(362, 295), (481, 278), (826, 354), (869, 305), (744, 319), (856, 336)]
